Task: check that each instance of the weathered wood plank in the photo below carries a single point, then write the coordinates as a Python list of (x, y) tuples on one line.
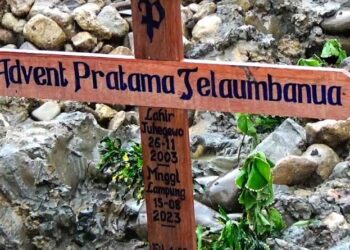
[(165, 134), (78, 71)]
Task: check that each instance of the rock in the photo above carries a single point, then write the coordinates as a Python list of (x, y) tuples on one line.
[(194, 7), (245, 4), (330, 132), (346, 64), (37, 156), (9, 21), (68, 47), (206, 216), (206, 29), (205, 9), (57, 11), (6, 36), (110, 18), (86, 18), (47, 111), (325, 158), (335, 221), (290, 47), (341, 170), (106, 49), (287, 139), (84, 41), (9, 46), (224, 192), (20, 7), (121, 50), (343, 245), (105, 112), (223, 163), (339, 23), (28, 46), (117, 120), (44, 33), (13, 233), (293, 170)]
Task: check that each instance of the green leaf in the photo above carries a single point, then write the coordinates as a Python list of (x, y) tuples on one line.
[(302, 223), (333, 48), (248, 199), (276, 218), (313, 62), (256, 181), (241, 178), (264, 169)]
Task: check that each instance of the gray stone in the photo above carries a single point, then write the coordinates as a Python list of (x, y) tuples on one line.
[(44, 33), (341, 170), (12, 229), (110, 18), (84, 41), (346, 64), (339, 23), (330, 132), (28, 46), (325, 158), (46, 154), (287, 139), (224, 192), (47, 111)]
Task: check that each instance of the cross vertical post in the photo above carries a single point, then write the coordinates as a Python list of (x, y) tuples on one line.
[(164, 132)]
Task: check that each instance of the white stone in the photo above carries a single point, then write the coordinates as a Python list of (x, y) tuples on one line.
[(206, 29), (47, 111)]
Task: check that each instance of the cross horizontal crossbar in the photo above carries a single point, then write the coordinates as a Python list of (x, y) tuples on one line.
[(204, 85)]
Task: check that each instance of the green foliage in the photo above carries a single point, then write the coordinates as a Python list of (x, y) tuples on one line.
[(259, 221), (125, 164), (314, 61), (252, 125), (255, 180), (247, 126), (332, 50)]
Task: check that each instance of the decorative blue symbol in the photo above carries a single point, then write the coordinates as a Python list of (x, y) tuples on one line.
[(148, 17)]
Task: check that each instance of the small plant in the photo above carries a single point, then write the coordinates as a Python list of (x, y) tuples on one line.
[(259, 221), (255, 180), (125, 165), (252, 125), (246, 125), (332, 53)]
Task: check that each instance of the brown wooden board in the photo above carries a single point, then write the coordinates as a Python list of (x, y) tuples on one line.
[(164, 134), (283, 90)]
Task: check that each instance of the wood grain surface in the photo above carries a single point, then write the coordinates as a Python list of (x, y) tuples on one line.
[(80, 69), (165, 136)]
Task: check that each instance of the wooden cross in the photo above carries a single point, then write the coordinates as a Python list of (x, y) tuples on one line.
[(165, 85)]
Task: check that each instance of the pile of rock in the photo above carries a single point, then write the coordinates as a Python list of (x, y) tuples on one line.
[(95, 26)]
